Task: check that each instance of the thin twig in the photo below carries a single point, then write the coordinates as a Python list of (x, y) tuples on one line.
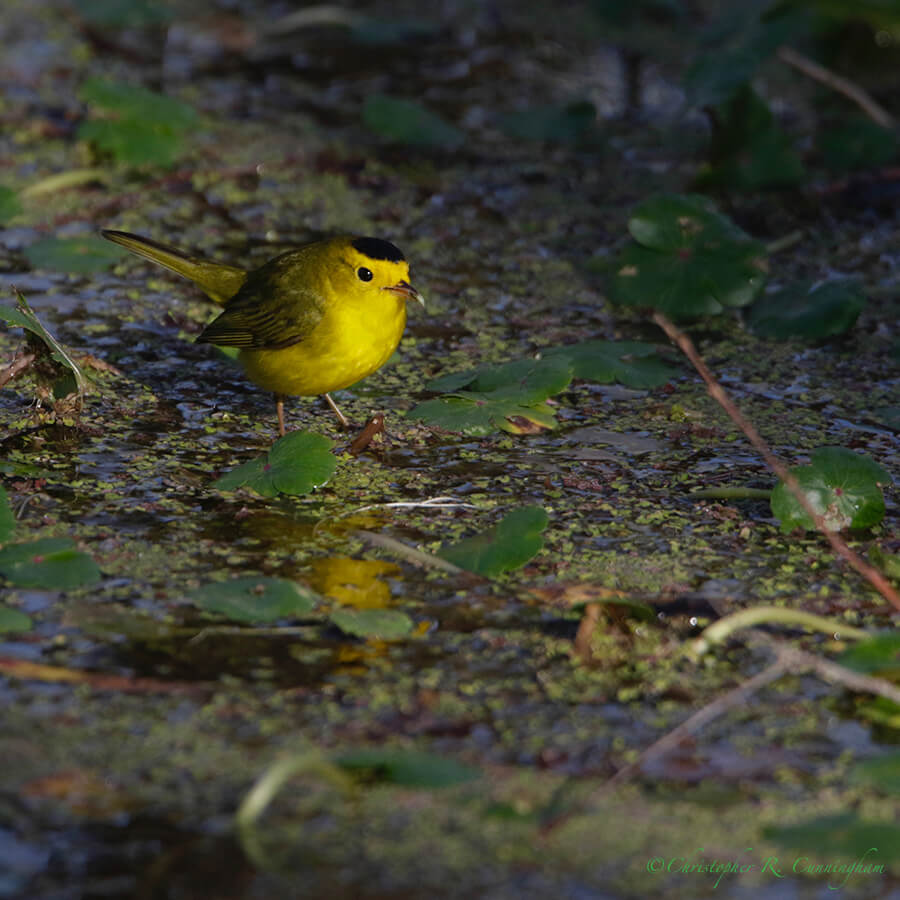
[(854, 92), (717, 392), (418, 557)]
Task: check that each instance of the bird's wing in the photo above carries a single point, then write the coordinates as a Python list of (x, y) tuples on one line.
[(269, 311)]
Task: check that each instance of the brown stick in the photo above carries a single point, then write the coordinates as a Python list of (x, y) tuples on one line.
[(16, 367), (854, 92), (717, 392)]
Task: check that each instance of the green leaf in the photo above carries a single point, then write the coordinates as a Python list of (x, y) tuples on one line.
[(741, 39), (297, 463), (7, 519), (858, 143), (882, 773), (134, 125), (889, 563), (12, 620), (24, 317), (748, 151), (406, 767), (841, 485), (79, 256), (689, 260), (48, 564), (507, 546), (573, 123), (386, 624), (842, 835), (254, 598), (9, 204), (802, 310), (632, 363), (879, 654), (509, 397), (408, 122)]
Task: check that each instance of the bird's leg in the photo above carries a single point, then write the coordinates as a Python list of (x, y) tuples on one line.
[(279, 408), (341, 417)]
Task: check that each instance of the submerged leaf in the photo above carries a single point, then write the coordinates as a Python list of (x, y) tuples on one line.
[(297, 463), (385, 624), (571, 123), (507, 546), (408, 768), (688, 261), (254, 598), (842, 486), (801, 310)]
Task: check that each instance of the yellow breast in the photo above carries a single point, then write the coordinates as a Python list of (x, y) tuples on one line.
[(353, 339)]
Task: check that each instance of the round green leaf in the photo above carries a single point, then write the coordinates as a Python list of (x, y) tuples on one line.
[(11, 620), (841, 486), (632, 363), (507, 546), (254, 598), (689, 260), (296, 464), (386, 624), (80, 256), (408, 122), (48, 564), (802, 311)]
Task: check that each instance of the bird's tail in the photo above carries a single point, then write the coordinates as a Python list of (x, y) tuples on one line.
[(217, 281)]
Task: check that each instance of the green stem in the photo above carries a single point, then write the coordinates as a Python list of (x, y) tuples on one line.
[(758, 615)]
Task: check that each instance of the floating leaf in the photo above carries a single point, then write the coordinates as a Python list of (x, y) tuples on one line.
[(879, 654), (841, 485), (810, 312), (49, 564), (408, 122), (80, 256), (9, 204), (509, 396), (134, 125), (408, 768), (689, 260), (572, 123), (254, 598), (509, 545), (841, 835), (12, 620), (632, 363), (296, 464), (24, 317), (748, 151), (859, 143), (385, 624), (7, 519)]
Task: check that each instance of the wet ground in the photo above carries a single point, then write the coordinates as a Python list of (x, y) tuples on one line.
[(124, 779)]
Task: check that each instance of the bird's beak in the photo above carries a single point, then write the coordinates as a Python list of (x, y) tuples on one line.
[(407, 291)]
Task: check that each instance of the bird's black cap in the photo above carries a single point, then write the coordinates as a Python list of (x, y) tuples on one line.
[(375, 248)]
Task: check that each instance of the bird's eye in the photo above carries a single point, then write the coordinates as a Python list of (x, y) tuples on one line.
[(364, 274)]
